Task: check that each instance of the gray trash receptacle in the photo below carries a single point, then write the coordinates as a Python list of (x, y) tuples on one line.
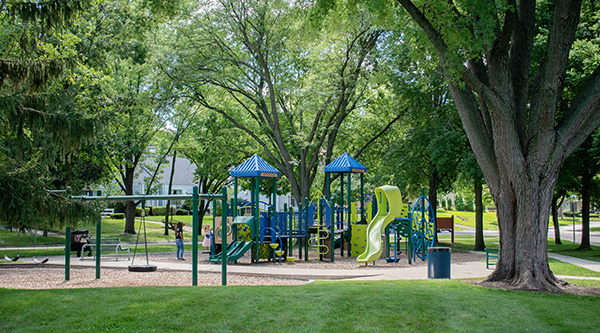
[(438, 263)]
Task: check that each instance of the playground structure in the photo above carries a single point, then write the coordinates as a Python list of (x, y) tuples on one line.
[(319, 223), (393, 218), (264, 226), (194, 196)]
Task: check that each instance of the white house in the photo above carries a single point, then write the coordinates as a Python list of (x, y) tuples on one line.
[(183, 179), (183, 182)]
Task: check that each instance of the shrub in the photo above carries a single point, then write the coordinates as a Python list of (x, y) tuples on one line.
[(162, 210), (117, 216), (182, 212), (569, 214), (138, 211), (469, 205), (459, 203)]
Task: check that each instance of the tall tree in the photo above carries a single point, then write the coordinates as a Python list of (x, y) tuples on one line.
[(121, 82), (471, 173), (507, 99), (588, 158), (214, 146), (41, 123), (256, 63)]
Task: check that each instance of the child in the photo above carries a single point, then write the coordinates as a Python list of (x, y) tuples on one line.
[(179, 240), (207, 235)]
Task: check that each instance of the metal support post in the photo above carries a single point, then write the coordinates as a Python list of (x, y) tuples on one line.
[(195, 236), (224, 237)]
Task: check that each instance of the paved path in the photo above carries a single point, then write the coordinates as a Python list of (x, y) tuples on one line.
[(474, 270), (470, 270), (591, 265)]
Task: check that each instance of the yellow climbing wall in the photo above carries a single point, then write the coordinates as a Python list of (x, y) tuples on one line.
[(359, 239)]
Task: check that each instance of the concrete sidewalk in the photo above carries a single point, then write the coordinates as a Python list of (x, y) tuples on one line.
[(591, 265), (471, 270)]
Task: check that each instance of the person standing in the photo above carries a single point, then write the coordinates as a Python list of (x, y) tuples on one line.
[(179, 240), (207, 235)]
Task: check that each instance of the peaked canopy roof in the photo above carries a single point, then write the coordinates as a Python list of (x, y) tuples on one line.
[(345, 164), (255, 167)]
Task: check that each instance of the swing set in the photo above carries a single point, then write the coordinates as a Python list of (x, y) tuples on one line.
[(18, 256), (6, 257), (195, 197), (36, 260)]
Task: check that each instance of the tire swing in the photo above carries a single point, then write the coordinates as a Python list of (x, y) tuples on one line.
[(147, 267)]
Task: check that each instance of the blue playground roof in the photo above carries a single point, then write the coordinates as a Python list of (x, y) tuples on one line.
[(345, 164), (255, 167)]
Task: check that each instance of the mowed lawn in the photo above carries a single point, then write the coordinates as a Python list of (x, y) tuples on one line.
[(385, 306)]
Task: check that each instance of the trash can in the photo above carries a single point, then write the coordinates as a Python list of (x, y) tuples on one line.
[(438, 265)]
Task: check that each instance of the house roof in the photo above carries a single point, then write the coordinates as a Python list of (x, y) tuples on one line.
[(345, 164), (255, 167)]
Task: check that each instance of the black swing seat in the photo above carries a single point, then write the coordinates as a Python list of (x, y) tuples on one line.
[(37, 261), (7, 258), (142, 268)]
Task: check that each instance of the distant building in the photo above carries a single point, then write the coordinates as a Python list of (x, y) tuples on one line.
[(183, 183), (183, 180)]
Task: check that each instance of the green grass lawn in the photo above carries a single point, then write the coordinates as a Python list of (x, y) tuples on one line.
[(110, 228), (429, 306), (570, 249), (562, 268), (14, 238), (490, 221)]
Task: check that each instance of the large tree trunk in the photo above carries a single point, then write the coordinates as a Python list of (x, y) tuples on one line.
[(523, 218), (130, 217), (511, 119), (479, 240)]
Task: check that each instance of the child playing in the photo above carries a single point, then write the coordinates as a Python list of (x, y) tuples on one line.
[(179, 240), (207, 236)]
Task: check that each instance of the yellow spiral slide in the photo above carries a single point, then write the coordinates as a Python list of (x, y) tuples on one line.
[(389, 207)]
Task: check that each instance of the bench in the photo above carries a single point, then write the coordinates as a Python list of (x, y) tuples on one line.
[(107, 213), (106, 243), (490, 254), (445, 223)]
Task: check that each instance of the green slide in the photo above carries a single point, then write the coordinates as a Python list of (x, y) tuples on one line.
[(389, 203), (235, 251)]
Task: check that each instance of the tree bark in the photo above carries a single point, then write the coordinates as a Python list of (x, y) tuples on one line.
[(479, 240), (434, 182), (586, 181), (166, 233), (129, 205), (555, 222), (512, 124)]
